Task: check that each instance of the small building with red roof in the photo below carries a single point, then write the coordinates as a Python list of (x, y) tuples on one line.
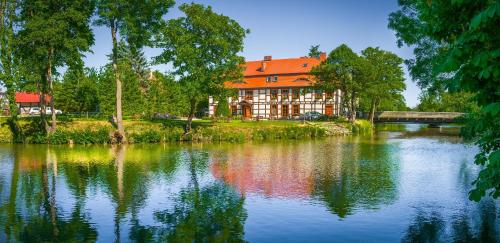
[(26, 100), (279, 89)]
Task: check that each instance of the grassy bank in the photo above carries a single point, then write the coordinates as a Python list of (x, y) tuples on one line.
[(91, 131)]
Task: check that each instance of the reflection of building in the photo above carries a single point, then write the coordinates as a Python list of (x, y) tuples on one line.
[(279, 88), (281, 172)]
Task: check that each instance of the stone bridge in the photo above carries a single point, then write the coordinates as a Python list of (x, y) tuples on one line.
[(417, 117)]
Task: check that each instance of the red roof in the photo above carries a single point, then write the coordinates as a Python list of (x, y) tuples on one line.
[(23, 97), (280, 66), (291, 72)]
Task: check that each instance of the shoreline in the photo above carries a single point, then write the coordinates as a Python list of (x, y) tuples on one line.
[(170, 131)]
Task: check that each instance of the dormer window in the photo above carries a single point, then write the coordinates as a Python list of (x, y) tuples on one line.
[(275, 78), (304, 65)]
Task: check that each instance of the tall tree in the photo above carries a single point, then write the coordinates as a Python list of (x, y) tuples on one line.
[(136, 22), (344, 70), (386, 80), (457, 47), (9, 65), (54, 33), (203, 48)]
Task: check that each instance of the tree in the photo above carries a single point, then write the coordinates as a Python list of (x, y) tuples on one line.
[(76, 92), (53, 34), (9, 65), (222, 108), (457, 47), (344, 70), (135, 22), (447, 102), (314, 51), (386, 80), (203, 48)]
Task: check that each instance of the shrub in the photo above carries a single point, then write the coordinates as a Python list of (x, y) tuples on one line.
[(362, 126)]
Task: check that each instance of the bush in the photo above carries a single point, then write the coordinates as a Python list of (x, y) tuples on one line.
[(362, 126), (222, 108)]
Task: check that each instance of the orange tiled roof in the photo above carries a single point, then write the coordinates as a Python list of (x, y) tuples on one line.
[(291, 72)]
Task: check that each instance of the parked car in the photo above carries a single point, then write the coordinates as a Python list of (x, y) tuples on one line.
[(48, 111), (34, 111), (311, 115)]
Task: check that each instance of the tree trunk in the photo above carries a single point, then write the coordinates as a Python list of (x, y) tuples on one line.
[(352, 117), (372, 111), (43, 107), (190, 117), (119, 117), (50, 83)]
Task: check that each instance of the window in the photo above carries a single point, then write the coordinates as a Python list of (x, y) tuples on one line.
[(274, 94), (284, 110), (284, 94), (268, 79), (295, 93), (296, 110), (234, 110), (318, 95), (275, 78), (274, 110), (248, 94)]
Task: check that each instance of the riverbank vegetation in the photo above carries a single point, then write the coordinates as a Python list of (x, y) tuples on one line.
[(92, 131)]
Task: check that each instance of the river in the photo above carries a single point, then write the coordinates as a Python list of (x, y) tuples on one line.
[(404, 183)]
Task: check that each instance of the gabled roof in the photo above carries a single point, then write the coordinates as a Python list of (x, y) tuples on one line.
[(281, 66), (24, 97), (291, 72)]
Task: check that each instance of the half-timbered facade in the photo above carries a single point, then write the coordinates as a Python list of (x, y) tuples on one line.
[(279, 89)]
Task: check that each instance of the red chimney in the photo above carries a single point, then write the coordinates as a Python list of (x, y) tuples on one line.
[(322, 56), (268, 58)]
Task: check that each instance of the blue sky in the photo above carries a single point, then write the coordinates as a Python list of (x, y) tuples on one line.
[(286, 29)]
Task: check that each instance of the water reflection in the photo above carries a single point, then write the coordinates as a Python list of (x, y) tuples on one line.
[(344, 173), (391, 186)]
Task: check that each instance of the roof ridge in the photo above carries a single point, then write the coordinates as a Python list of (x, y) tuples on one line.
[(290, 58)]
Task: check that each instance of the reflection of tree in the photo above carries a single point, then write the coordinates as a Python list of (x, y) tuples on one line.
[(426, 227), (213, 212), (355, 174), (46, 223), (431, 227)]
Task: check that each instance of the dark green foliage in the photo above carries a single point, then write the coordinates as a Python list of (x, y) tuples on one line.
[(77, 91), (457, 48), (344, 70), (314, 51), (203, 62), (53, 34), (222, 108), (448, 102)]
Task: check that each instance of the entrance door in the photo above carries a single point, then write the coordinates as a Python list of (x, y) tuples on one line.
[(247, 111), (284, 111), (329, 110)]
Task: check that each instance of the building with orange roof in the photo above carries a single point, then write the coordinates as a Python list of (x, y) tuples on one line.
[(279, 89)]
